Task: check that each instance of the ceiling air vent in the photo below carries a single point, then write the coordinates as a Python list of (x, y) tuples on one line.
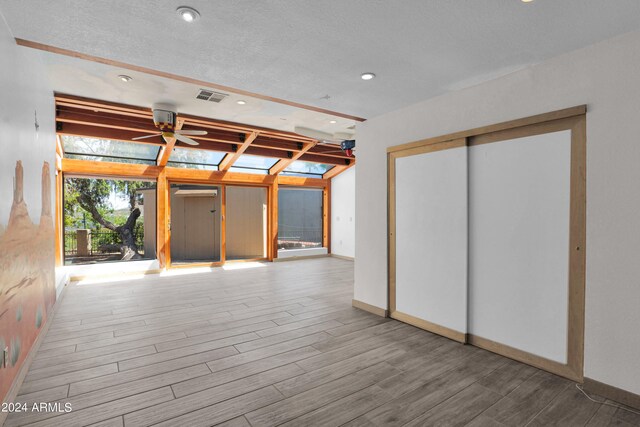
[(210, 95)]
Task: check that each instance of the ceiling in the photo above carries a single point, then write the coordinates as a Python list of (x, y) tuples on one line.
[(302, 51)]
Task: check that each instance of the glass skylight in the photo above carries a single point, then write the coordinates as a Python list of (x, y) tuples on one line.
[(302, 168), (195, 159), (253, 164), (78, 147)]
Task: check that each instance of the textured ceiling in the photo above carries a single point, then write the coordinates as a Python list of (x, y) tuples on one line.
[(304, 50)]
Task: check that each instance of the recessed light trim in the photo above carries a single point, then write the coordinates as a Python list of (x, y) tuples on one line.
[(241, 102), (527, 1), (188, 14), (333, 122), (367, 76), (125, 78)]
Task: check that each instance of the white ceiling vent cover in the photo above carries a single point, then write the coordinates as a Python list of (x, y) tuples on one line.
[(210, 95)]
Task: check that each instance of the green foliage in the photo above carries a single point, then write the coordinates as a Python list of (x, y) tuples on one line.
[(98, 193)]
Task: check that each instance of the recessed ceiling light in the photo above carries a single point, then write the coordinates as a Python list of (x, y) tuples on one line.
[(125, 78), (332, 122), (187, 13), (241, 102), (367, 76), (527, 1)]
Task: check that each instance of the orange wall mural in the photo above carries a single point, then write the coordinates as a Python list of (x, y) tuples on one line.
[(27, 282)]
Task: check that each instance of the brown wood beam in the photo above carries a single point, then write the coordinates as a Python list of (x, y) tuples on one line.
[(317, 158), (124, 170), (336, 170), (299, 181), (221, 177), (282, 164), (165, 152), (231, 158)]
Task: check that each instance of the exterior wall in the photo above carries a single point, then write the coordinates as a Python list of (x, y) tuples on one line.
[(27, 174), (343, 212), (603, 76)]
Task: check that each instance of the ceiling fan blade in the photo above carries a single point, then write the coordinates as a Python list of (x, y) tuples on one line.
[(185, 139), (146, 136), (191, 132)]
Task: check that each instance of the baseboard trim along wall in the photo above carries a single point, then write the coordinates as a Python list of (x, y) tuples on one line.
[(348, 258), (17, 383), (452, 334), (113, 275), (370, 308), (610, 392)]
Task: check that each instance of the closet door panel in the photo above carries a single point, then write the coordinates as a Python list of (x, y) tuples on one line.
[(431, 238), (519, 213)]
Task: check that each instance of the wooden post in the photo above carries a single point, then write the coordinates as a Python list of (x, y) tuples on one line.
[(162, 220), (273, 218)]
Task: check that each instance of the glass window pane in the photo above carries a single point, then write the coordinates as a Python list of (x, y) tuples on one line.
[(127, 204), (255, 162), (109, 150), (195, 159), (303, 167), (301, 175), (299, 218)]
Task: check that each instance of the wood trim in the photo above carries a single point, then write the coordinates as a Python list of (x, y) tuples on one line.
[(273, 217), (223, 224), (98, 169), (283, 163), (552, 366), (22, 373), (59, 219), (231, 158), (218, 177), (145, 70), (344, 257), (302, 182), (326, 217), (545, 117), (369, 308), (424, 149), (610, 392), (452, 334), (337, 170), (163, 209)]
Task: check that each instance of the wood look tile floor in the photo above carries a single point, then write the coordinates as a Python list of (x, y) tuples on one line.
[(272, 345)]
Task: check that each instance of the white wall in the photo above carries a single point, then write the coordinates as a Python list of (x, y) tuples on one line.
[(603, 76), (343, 212), (27, 193)]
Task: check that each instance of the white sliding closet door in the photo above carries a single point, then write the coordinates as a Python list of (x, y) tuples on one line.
[(519, 214), (431, 241)]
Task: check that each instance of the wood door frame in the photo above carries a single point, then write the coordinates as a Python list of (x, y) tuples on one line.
[(573, 119)]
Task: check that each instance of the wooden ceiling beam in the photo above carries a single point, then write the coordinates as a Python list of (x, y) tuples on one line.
[(284, 163), (307, 157), (88, 131), (231, 158), (336, 170), (165, 152)]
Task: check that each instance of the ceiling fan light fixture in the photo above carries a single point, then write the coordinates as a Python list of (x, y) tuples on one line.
[(125, 78), (367, 76), (188, 14)]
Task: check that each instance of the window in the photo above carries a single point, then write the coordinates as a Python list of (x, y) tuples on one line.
[(195, 159), (79, 147), (306, 169), (98, 237), (253, 164), (299, 218)]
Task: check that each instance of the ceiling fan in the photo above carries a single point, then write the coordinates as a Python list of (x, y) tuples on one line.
[(165, 119), (344, 143)]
